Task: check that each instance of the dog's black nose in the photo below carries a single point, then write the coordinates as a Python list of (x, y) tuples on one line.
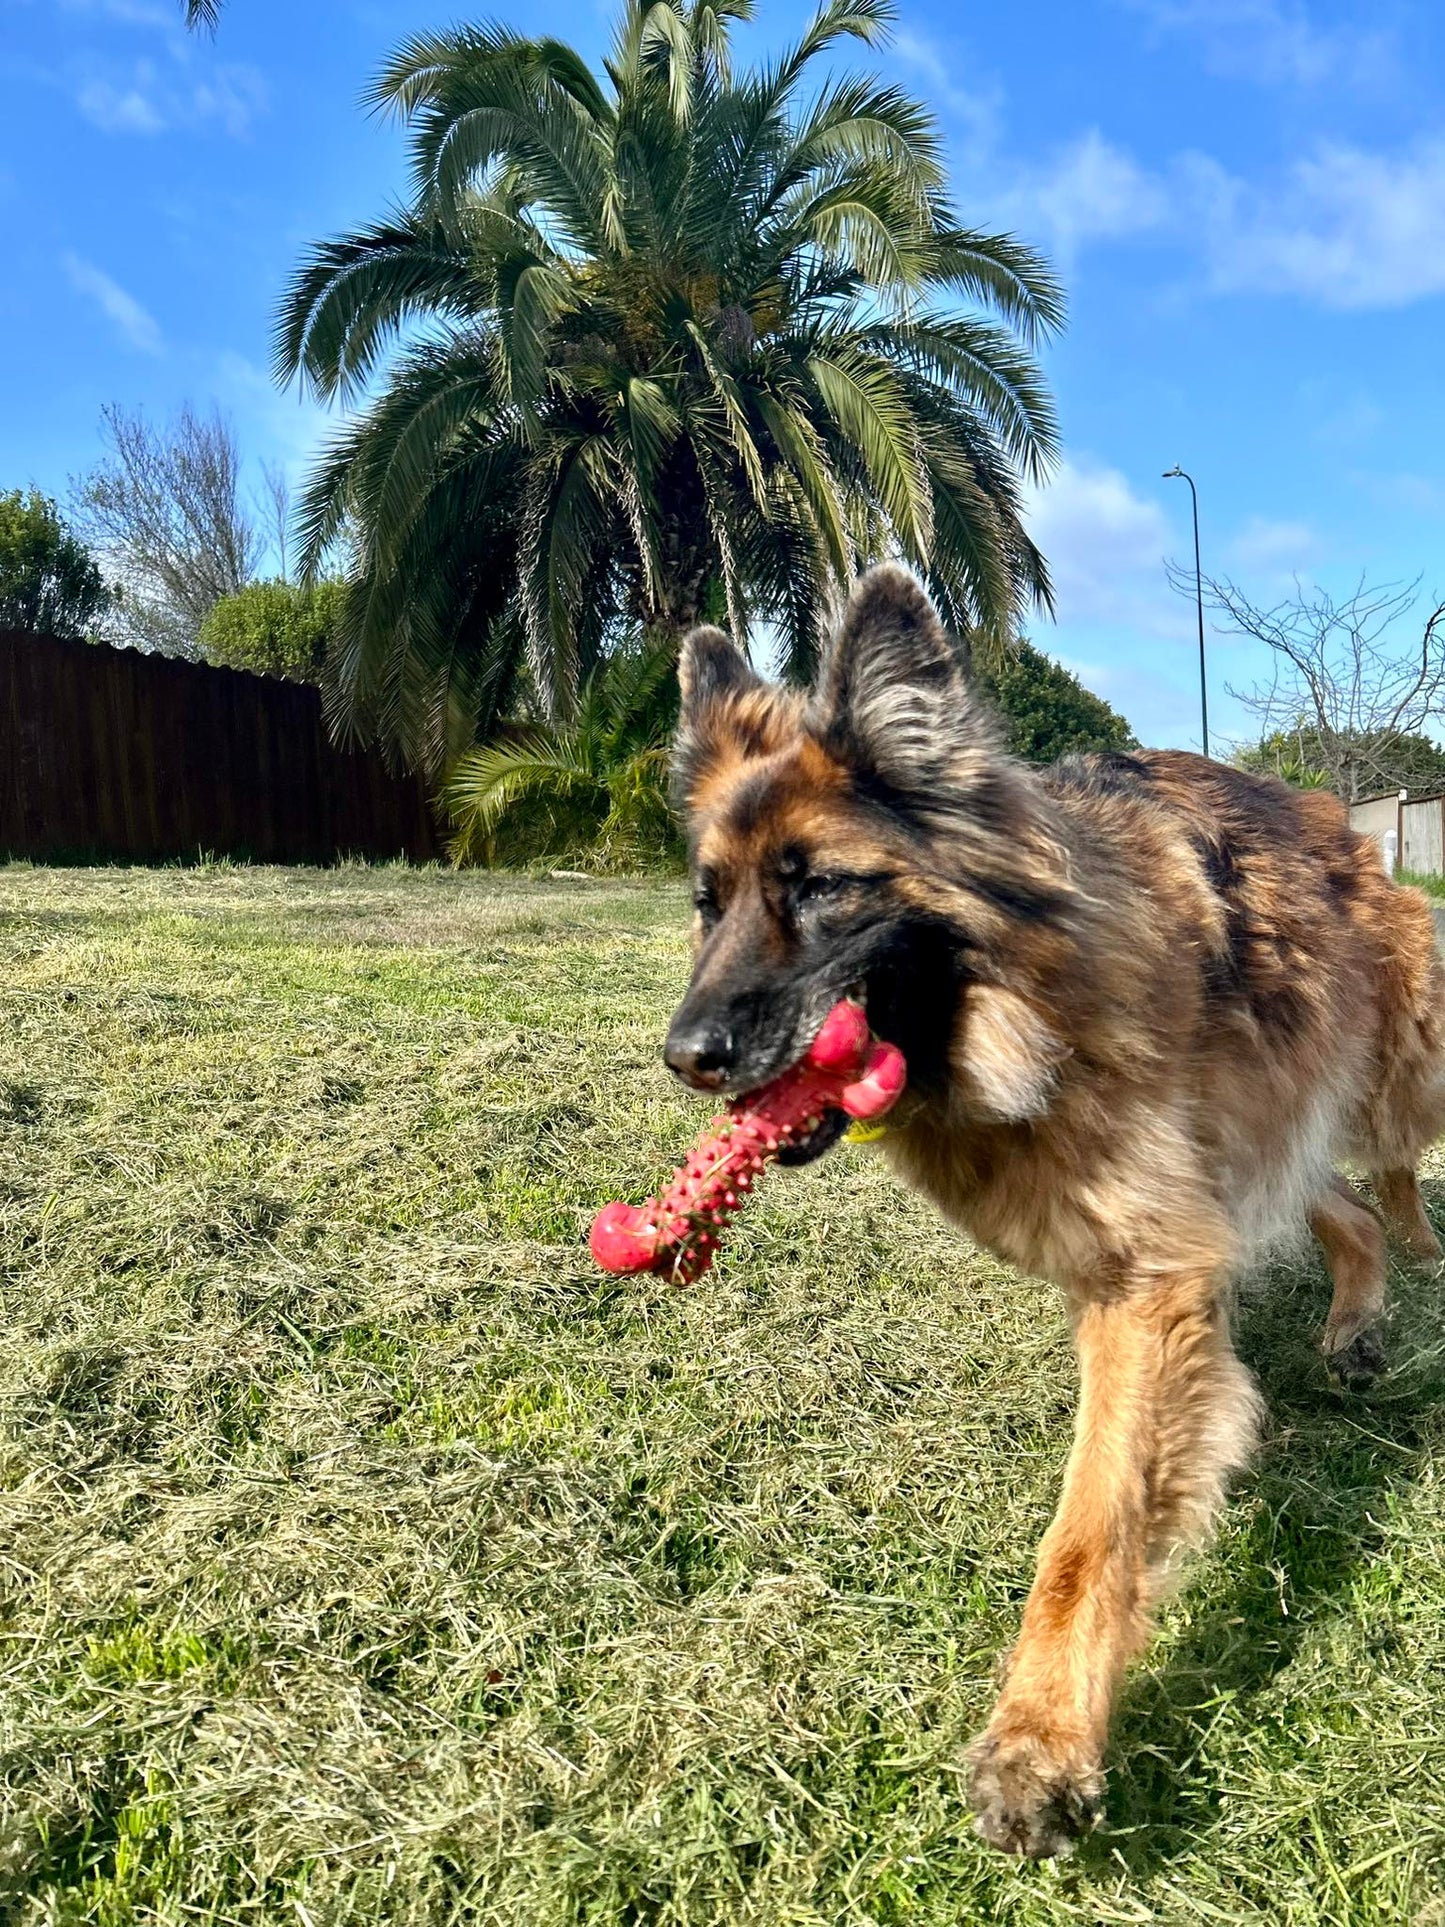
[(701, 1052)]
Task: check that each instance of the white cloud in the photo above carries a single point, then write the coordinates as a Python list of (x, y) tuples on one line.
[(1349, 228), (1276, 548), (1345, 226), (146, 97), (1122, 630), (1090, 190), (132, 13), (975, 114), (1105, 547), (133, 322), (121, 109), (1276, 42), (1422, 495)]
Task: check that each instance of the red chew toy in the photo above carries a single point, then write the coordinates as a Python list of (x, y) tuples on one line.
[(677, 1234)]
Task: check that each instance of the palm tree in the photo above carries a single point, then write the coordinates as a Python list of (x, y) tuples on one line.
[(676, 341), (202, 13), (596, 785)]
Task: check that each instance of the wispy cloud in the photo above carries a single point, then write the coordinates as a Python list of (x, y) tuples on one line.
[(1277, 42), (1342, 420), (131, 13), (286, 427), (974, 114), (1106, 546), (147, 97), (1346, 227), (1121, 628), (1089, 190), (133, 323), (1278, 549), (1422, 495), (122, 108)]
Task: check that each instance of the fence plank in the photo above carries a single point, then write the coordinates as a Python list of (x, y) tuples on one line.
[(114, 755)]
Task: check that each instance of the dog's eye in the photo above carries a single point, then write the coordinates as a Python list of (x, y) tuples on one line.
[(704, 901), (819, 889)]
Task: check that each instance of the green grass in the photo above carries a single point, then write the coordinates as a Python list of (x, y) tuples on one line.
[(368, 1557), (1432, 886)]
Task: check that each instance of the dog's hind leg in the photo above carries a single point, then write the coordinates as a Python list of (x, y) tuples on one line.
[(1354, 1248), (1165, 1411), (1404, 1211)]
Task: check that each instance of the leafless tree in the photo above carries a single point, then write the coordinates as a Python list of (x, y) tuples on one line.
[(1345, 676), (164, 507), (275, 503)]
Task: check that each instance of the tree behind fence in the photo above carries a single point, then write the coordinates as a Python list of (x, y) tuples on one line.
[(111, 755)]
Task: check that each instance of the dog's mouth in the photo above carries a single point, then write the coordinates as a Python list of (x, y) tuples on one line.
[(810, 1146), (824, 1135)]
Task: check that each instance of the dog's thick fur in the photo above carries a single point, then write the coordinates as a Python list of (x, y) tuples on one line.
[(1146, 1002)]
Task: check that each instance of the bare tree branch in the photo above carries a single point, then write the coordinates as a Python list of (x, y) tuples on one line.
[(276, 507), (1343, 682), (164, 507)]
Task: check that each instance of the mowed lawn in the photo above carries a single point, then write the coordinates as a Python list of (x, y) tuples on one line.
[(367, 1557)]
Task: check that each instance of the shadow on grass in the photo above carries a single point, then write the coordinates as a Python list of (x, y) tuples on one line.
[(1320, 1483)]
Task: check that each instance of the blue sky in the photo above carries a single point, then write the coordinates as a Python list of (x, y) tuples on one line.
[(1246, 199)]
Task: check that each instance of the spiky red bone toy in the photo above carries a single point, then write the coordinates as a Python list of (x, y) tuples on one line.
[(677, 1234)]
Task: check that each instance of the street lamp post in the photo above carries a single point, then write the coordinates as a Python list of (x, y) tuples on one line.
[(1169, 475)]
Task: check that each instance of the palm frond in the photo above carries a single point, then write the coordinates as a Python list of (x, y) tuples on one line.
[(640, 342), (862, 397), (352, 296), (971, 356), (999, 271)]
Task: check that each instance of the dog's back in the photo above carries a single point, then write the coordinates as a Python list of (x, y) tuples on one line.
[(1319, 1032)]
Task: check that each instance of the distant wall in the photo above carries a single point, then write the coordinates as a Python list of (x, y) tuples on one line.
[(113, 755), (1377, 816), (1418, 828)]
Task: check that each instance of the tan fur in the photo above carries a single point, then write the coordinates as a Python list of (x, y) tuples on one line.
[(1181, 995)]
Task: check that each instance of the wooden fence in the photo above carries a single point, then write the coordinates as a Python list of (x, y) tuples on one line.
[(112, 755)]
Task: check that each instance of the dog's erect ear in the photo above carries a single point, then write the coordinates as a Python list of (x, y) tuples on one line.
[(728, 711), (711, 666), (892, 695)]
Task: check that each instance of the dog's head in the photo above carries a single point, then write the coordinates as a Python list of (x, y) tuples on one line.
[(855, 841)]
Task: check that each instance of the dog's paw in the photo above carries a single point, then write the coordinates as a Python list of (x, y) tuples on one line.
[(1359, 1362), (1027, 1804)]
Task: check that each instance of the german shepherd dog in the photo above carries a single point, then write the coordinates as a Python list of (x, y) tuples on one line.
[(1146, 1002)]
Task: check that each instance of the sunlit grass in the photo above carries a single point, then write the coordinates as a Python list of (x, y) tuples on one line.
[(369, 1557)]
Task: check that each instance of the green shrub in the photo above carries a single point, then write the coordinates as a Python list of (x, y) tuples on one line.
[(49, 580), (1352, 763), (1049, 712), (274, 629)]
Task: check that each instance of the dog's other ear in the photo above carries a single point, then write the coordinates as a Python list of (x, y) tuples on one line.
[(1007, 1055), (893, 697), (728, 712)]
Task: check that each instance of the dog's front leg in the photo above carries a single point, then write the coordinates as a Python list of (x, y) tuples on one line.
[(1165, 1410)]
